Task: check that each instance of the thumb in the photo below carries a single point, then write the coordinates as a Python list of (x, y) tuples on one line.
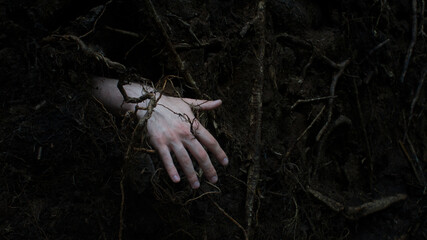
[(203, 104)]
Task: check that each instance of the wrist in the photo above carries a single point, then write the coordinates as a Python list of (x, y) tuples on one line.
[(107, 91)]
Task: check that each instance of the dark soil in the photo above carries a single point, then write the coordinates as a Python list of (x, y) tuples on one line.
[(349, 163)]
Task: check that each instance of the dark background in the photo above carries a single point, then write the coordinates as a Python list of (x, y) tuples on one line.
[(64, 173)]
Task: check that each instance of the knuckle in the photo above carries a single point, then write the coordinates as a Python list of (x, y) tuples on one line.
[(212, 143), (187, 135), (203, 155), (157, 139)]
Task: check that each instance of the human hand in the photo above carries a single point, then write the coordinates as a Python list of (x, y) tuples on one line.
[(172, 127)]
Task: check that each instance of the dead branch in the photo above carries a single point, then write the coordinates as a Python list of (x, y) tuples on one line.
[(341, 66), (413, 40), (179, 62), (255, 119)]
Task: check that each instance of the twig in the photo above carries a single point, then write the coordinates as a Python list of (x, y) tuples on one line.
[(304, 70), (231, 218), (417, 161), (321, 150), (335, 78), (122, 206), (255, 119), (177, 231), (134, 46), (146, 150), (380, 45), (97, 19), (310, 100), (413, 40), (190, 30), (418, 171), (124, 32), (304, 132), (110, 118), (365, 135), (423, 7), (417, 95), (179, 62), (204, 194)]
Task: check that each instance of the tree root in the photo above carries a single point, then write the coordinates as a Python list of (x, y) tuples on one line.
[(255, 120), (356, 212), (413, 40), (231, 218), (341, 66), (179, 62)]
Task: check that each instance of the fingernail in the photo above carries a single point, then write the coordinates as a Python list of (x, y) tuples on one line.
[(225, 161), (195, 185), (175, 178), (214, 179)]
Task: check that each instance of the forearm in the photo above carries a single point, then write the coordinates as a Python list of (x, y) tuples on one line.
[(107, 92)]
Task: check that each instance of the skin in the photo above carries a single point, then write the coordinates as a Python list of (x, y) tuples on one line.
[(169, 129)]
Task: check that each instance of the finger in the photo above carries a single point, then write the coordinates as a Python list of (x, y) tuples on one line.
[(203, 104), (186, 164), (202, 157), (168, 163), (207, 140)]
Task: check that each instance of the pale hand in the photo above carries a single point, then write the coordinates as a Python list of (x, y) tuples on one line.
[(172, 127)]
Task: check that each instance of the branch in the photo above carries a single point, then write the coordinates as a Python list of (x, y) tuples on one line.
[(413, 40)]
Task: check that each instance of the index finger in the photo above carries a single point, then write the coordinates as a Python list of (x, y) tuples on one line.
[(203, 104)]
